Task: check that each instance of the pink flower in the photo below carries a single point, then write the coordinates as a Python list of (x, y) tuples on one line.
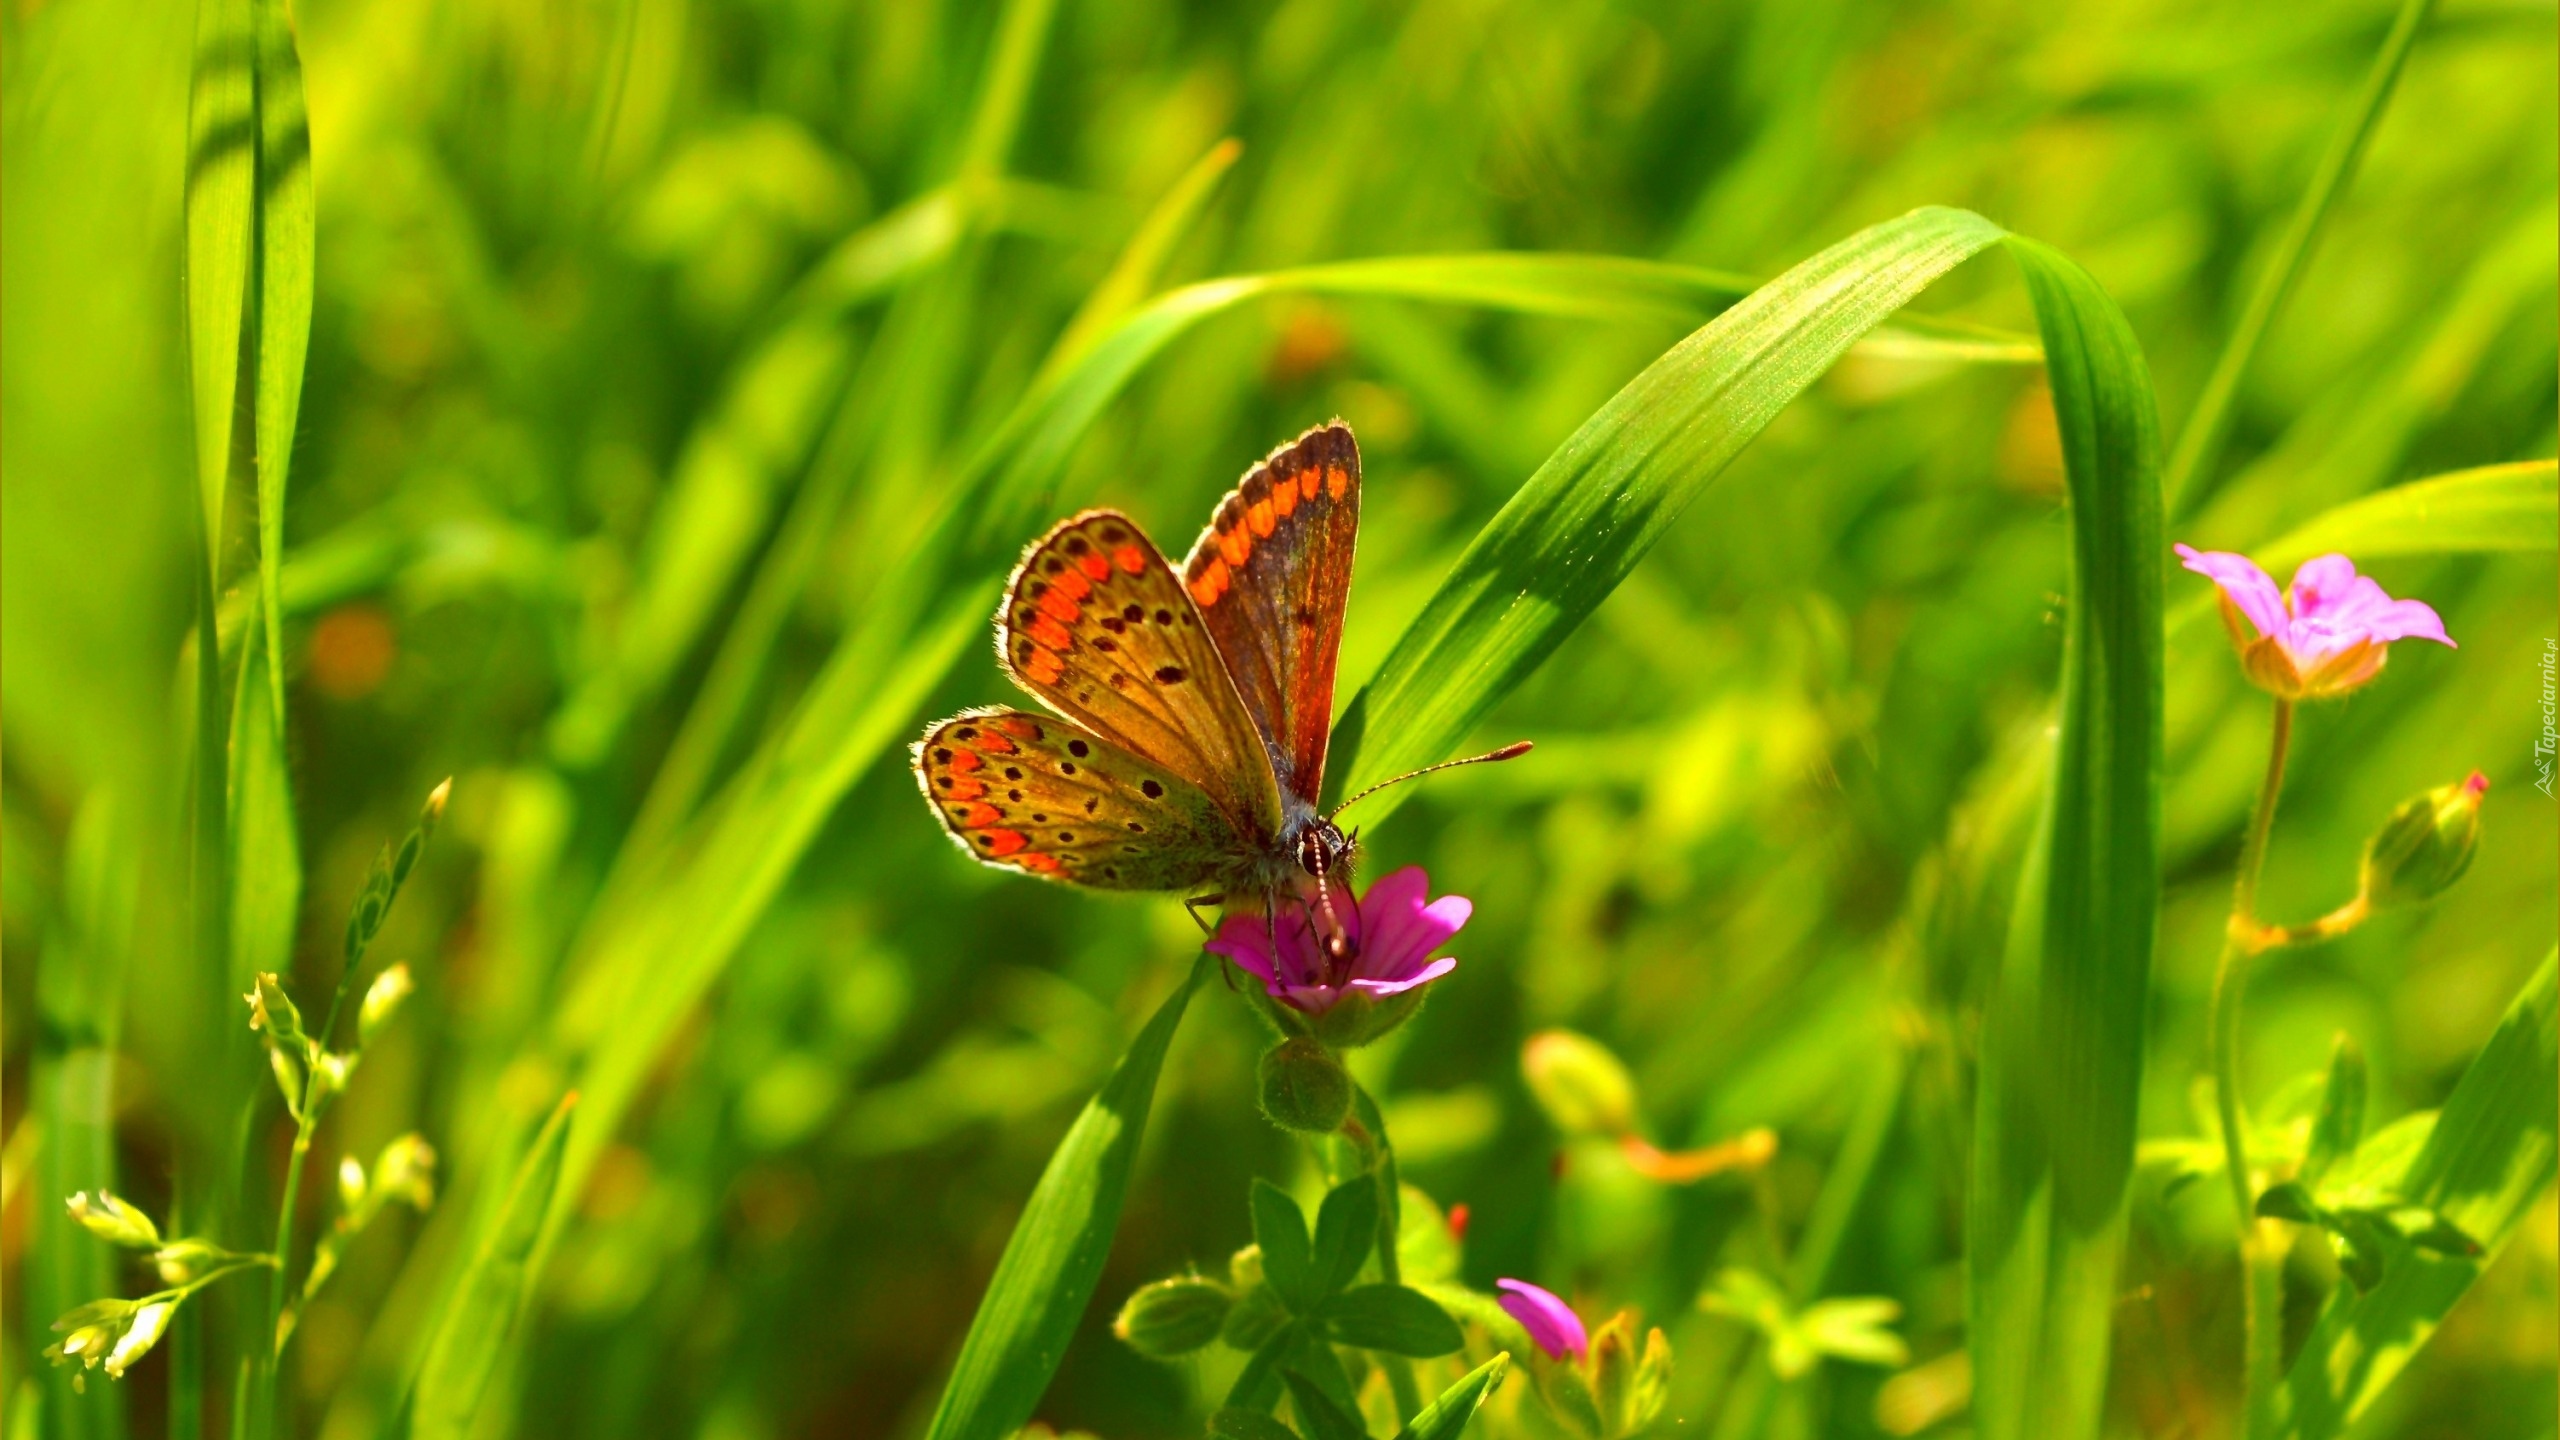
[(2325, 636), (1392, 933), (1549, 1321)]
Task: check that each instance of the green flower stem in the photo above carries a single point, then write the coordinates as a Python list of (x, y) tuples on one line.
[(1390, 1225), (2260, 1258)]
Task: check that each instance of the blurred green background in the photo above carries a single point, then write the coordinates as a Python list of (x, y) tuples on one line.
[(643, 325)]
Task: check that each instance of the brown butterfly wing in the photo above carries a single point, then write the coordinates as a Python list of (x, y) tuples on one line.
[(1046, 797), (1095, 626), (1271, 575)]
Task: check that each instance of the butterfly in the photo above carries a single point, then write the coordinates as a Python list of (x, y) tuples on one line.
[(1188, 708)]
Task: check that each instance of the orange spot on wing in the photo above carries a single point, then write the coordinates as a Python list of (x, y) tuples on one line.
[(1074, 584), (1309, 484), (1044, 667), (1005, 842), (1258, 515), (1209, 584), (1095, 566), (980, 815), (1060, 606), (1020, 727), (996, 743), (1050, 633), (1131, 558), (1234, 545), (967, 789), (1044, 864), (964, 761), (1284, 498), (1336, 480)]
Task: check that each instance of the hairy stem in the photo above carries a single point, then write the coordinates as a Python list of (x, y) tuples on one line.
[(2260, 1260)]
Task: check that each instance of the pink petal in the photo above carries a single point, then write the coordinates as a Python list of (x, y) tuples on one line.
[(1550, 1322), (1399, 930), (2322, 587), (2249, 587), (1246, 940), (1424, 976), (2407, 620)]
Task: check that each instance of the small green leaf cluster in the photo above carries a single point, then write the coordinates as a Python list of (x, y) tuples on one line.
[(1294, 1301), (2351, 1192), (1853, 1328)]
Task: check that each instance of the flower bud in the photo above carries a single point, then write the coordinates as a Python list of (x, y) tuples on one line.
[(1584, 1089), (1304, 1087), (1174, 1317), (180, 1261), (350, 1182), (406, 1170), (382, 1001), (149, 1324), (2425, 846), (107, 1216), (272, 1012)]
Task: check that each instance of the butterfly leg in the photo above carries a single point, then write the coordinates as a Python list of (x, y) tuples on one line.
[(1192, 906)]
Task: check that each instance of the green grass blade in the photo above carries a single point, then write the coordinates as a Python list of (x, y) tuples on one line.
[(1133, 276), (1580, 524), (1054, 1259), (284, 263), (2200, 441), (266, 853), (2487, 510), (221, 191), (2492, 509), (2061, 1066), (1446, 1417), (470, 1338), (2484, 1165)]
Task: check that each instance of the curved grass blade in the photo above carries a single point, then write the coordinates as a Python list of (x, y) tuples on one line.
[(2061, 1068), (1055, 1257), (470, 1338), (1579, 525), (2050, 1190), (285, 264), (1446, 1417), (2486, 1162)]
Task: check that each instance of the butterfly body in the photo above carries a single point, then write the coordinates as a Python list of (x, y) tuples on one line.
[(1183, 742)]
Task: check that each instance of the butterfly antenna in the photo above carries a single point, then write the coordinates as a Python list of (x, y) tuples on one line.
[(1512, 751)]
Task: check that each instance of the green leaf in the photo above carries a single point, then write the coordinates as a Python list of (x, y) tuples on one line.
[(1345, 1224), (1288, 1260), (285, 262), (1446, 1417), (1318, 1416), (1054, 1259), (2485, 1162), (1855, 1328), (2340, 1122), (1392, 1318), (2288, 1201), (2062, 1041), (471, 1336)]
